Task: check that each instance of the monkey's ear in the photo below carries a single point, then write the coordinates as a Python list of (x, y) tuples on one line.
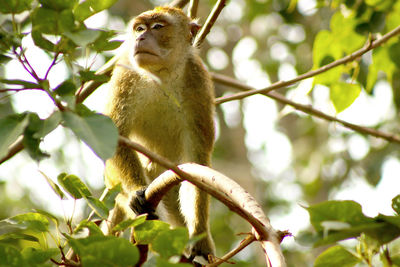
[(194, 28)]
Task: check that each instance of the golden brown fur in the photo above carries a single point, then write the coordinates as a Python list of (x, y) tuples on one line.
[(162, 99)]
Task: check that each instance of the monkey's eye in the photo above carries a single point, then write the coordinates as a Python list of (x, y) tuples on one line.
[(140, 28), (157, 26)]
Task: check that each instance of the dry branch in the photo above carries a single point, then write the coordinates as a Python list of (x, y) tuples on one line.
[(209, 23), (222, 188), (194, 4), (280, 84), (222, 79), (245, 242)]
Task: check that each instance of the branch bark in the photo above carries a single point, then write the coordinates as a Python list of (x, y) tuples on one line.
[(209, 23), (222, 79), (222, 188), (194, 4), (280, 84)]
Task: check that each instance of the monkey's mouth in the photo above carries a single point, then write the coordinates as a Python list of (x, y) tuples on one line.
[(144, 52)]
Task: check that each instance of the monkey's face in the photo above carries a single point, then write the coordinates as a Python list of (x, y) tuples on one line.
[(159, 40)]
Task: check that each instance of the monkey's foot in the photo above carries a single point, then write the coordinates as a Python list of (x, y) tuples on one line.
[(200, 252), (139, 205)]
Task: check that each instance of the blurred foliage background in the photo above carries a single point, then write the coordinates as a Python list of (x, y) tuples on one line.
[(286, 159)]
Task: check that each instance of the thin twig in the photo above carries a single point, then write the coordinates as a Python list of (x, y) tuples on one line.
[(53, 63), (280, 84), (22, 59), (194, 4), (306, 109), (209, 23), (245, 242), (19, 90)]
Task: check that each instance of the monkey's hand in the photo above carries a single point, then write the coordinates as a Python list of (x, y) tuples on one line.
[(201, 250), (139, 205)]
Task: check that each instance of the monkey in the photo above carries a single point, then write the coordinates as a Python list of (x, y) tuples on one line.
[(162, 98)]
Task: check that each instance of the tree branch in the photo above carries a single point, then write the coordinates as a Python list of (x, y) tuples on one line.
[(280, 84), (245, 242), (222, 188), (194, 4), (209, 23), (305, 108)]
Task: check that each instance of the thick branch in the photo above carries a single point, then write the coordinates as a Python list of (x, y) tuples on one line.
[(209, 23), (222, 188), (306, 109), (280, 84)]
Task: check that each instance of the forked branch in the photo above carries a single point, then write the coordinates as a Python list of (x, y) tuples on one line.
[(222, 188), (371, 44), (306, 109)]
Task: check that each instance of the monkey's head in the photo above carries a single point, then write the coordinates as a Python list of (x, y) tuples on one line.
[(162, 38)]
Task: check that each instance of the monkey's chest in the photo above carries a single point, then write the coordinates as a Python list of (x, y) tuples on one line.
[(159, 121)]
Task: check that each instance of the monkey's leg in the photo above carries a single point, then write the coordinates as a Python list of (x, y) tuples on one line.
[(125, 168), (195, 208)]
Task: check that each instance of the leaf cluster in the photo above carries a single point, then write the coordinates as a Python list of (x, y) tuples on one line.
[(336, 221)]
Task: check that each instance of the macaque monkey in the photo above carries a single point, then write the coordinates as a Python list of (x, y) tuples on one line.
[(162, 97)]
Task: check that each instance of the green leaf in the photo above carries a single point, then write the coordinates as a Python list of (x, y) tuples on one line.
[(66, 21), (170, 243), (90, 7), (91, 226), (54, 186), (84, 37), (97, 131), (130, 223), (42, 42), (88, 75), (111, 194), (38, 256), (18, 236), (15, 6), (380, 62), (31, 143), (32, 221), (394, 54), (48, 125), (396, 204), (11, 127), (58, 4), (45, 20), (99, 208), (5, 59), (343, 95), (11, 257), (24, 84), (340, 211), (73, 185), (146, 232), (49, 216), (344, 35), (104, 44), (105, 251), (393, 18), (67, 87), (336, 256)]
